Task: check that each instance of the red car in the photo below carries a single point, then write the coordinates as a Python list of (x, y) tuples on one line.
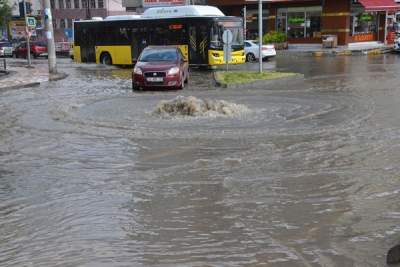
[(160, 67), (37, 49)]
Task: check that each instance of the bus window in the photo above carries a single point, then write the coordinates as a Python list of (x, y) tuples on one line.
[(122, 36), (105, 36), (176, 34)]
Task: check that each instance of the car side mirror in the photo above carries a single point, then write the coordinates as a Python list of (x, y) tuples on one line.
[(134, 60), (184, 60)]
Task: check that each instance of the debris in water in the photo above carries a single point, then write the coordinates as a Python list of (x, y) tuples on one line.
[(194, 107)]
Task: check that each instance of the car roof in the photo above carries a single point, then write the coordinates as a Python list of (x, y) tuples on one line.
[(162, 47)]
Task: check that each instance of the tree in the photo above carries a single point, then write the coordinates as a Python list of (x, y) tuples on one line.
[(5, 13)]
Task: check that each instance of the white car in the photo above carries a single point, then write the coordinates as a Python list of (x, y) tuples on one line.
[(251, 50), (397, 44)]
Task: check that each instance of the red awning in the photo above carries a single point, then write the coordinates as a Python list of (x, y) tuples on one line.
[(379, 5)]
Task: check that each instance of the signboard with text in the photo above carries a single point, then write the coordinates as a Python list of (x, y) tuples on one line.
[(154, 3)]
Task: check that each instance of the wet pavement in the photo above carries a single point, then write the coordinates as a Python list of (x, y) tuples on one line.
[(298, 174), (34, 75)]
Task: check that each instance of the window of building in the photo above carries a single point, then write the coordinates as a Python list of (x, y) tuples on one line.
[(92, 3), (62, 23), (61, 4), (69, 23), (54, 22), (300, 22), (100, 3), (68, 3), (76, 3), (84, 4), (52, 4), (365, 23)]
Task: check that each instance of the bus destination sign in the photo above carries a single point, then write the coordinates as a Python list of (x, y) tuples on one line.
[(155, 3)]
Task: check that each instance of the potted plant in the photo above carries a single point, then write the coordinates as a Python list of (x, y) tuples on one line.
[(278, 39)]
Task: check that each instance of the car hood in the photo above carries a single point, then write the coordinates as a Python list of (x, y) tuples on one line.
[(156, 66)]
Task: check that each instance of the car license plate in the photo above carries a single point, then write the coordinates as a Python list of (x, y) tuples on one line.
[(154, 79), (44, 54)]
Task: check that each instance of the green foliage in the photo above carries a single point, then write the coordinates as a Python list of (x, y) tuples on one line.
[(274, 37), (5, 13)]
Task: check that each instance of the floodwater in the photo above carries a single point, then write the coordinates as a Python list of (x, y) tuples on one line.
[(298, 174)]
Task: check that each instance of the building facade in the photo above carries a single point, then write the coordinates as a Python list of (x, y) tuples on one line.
[(306, 21), (64, 12)]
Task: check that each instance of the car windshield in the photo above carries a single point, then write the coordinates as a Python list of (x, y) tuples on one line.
[(41, 43), (5, 44), (152, 55)]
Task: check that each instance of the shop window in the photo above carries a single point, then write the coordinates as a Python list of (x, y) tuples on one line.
[(300, 22)]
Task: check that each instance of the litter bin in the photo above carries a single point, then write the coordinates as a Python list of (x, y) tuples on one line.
[(329, 41)]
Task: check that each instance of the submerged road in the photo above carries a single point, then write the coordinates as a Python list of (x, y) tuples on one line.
[(297, 174)]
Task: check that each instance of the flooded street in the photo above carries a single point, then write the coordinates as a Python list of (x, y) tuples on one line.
[(300, 174)]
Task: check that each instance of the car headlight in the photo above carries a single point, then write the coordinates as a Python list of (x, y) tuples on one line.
[(174, 70), (137, 71)]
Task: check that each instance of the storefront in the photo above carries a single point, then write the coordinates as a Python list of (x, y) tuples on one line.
[(306, 21)]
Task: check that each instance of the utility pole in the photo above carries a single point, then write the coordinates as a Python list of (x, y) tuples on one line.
[(27, 35), (50, 37)]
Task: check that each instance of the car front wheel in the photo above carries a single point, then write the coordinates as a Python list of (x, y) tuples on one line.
[(14, 55)]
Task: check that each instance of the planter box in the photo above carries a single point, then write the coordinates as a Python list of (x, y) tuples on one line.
[(281, 45)]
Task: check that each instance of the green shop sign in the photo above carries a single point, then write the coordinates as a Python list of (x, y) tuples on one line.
[(365, 17), (296, 20)]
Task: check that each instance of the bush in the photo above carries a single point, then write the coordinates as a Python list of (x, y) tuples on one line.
[(274, 37)]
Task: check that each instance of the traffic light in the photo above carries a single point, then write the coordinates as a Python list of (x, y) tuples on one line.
[(28, 6), (28, 9), (21, 10)]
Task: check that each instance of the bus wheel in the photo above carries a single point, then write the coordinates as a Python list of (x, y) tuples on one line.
[(106, 59)]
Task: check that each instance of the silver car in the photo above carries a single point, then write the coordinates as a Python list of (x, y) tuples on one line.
[(6, 49)]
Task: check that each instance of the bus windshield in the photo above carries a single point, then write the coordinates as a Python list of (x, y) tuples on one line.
[(218, 30)]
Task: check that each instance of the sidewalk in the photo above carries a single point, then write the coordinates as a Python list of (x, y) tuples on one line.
[(23, 76), (316, 50)]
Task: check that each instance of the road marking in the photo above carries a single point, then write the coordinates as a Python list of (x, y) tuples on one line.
[(314, 114)]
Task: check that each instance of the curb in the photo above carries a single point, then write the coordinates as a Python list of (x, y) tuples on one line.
[(257, 83), (351, 52)]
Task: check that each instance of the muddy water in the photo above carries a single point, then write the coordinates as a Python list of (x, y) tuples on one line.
[(300, 174)]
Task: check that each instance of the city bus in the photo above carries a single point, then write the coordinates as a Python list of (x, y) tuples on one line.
[(196, 30)]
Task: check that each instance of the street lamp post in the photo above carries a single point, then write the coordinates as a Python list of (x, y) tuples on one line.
[(260, 30)]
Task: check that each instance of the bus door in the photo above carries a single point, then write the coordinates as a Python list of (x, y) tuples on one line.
[(135, 43), (198, 45), (140, 41), (87, 45)]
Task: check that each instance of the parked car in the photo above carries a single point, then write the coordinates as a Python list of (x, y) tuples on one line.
[(252, 50), (160, 66), (37, 49), (62, 46), (6, 49)]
